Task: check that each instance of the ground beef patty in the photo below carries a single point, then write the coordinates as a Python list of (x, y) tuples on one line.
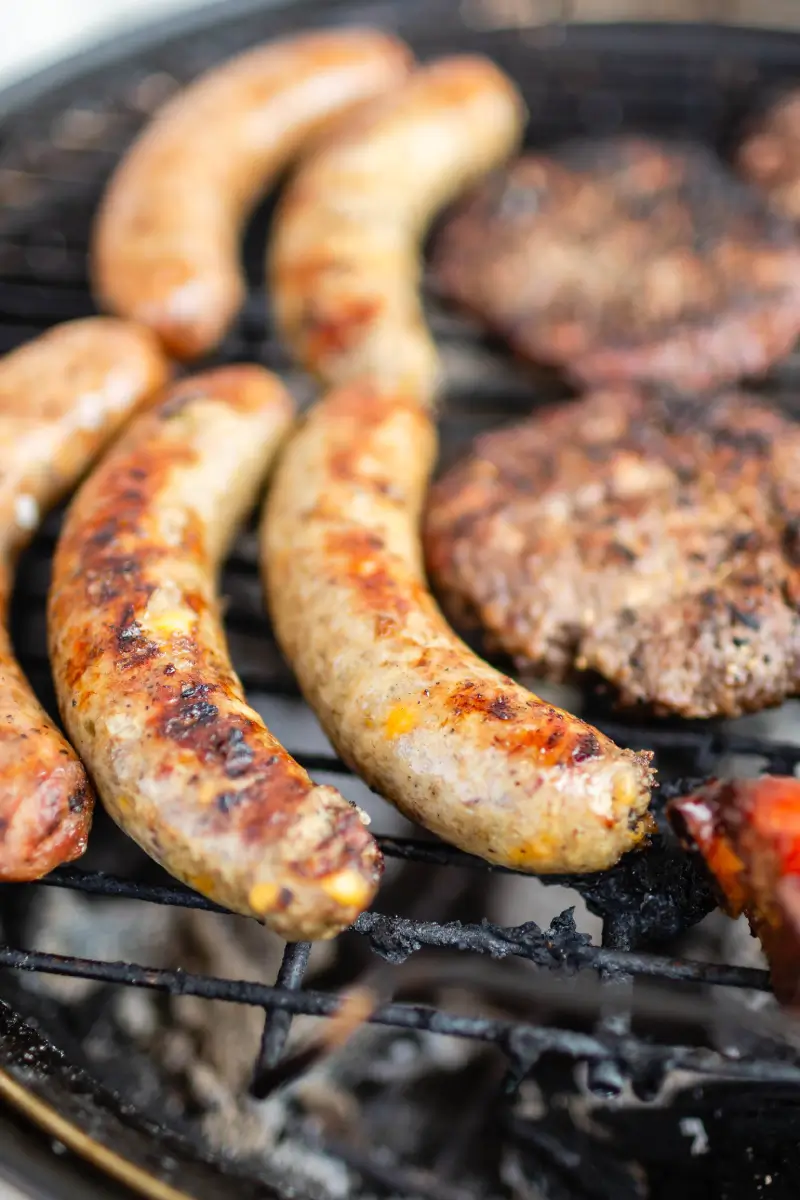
[(627, 260), (770, 156), (656, 541)]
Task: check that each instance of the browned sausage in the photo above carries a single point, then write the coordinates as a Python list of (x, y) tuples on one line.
[(166, 241), (457, 746), (61, 398), (344, 260), (453, 743), (145, 683)]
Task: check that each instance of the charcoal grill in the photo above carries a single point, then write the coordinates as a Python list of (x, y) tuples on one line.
[(61, 134)]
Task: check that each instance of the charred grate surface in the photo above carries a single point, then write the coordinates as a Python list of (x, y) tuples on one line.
[(55, 153)]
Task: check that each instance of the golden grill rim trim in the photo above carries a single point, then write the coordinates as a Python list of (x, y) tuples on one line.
[(108, 1161)]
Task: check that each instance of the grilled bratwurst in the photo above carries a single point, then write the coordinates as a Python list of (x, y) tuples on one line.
[(453, 743), (655, 541), (145, 683), (166, 245), (62, 397), (625, 260), (345, 261)]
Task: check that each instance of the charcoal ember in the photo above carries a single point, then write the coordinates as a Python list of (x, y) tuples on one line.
[(652, 895), (713, 1139), (396, 939), (563, 935)]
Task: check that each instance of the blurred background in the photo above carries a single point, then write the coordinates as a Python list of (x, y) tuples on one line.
[(34, 33)]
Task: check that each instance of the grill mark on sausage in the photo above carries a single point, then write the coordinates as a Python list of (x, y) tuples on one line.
[(110, 561), (791, 541), (264, 807), (79, 798), (184, 726), (133, 648), (587, 746), (469, 699), (554, 741), (336, 332), (354, 552), (209, 759), (358, 404), (745, 618)]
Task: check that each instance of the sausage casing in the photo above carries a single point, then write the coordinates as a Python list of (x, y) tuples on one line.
[(451, 742), (345, 260), (165, 247), (62, 396), (455, 745), (145, 683)]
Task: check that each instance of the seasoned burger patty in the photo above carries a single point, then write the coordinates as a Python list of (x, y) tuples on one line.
[(654, 540), (627, 260), (770, 156)]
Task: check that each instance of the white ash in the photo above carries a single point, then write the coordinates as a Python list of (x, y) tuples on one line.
[(225, 1036), (207, 1051), (738, 943), (720, 939), (210, 1044), (318, 1175), (136, 1015), (693, 1127), (68, 923)]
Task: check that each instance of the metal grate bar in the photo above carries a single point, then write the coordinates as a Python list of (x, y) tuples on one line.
[(529, 1040), (605, 1078), (396, 938), (277, 1024), (98, 883)]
